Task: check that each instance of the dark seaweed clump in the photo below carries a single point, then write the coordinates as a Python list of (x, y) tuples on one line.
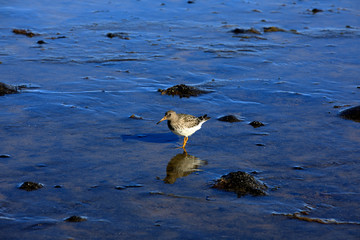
[(182, 90), (241, 183), (229, 118), (351, 113), (7, 89)]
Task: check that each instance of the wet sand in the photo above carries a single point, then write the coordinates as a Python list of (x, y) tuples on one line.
[(70, 128)]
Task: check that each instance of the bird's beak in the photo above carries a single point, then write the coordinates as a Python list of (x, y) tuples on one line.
[(164, 118)]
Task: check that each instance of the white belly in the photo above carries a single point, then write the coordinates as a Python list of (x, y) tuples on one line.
[(187, 131)]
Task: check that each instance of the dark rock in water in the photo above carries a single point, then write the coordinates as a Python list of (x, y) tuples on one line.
[(75, 219), (182, 90), (256, 124), (316, 10), (260, 145), (41, 42), (7, 89), (241, 183), (351, 113), (245, 31), (229, 118), (5, 156), (31, 186)]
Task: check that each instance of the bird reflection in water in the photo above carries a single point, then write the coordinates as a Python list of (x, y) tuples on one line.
[(182, 165)]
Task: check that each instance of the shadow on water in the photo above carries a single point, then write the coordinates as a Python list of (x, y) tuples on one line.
[(182, 165)]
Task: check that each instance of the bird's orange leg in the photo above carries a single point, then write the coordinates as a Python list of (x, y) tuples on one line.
[(184, 144), (185, 141)]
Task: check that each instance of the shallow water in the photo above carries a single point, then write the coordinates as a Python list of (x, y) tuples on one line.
[(71, 127)]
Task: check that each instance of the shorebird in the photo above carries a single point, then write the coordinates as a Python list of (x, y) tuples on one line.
[(183, 124)]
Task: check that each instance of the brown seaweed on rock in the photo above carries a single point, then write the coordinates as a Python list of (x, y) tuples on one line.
[(27, 33), (273, 29), (244, 31), (182, 90), (241, 183)]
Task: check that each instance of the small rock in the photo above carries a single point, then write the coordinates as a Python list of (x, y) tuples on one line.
[(229, 118), (120, 187), (5, 156), (256, 124), (351, 114), (31, 186), (260, 145), (41, 42), (241, 183), (298, 168), (316, 10), (75, 219), (57, 186)]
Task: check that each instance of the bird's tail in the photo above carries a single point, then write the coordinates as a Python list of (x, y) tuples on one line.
[(204, 118)]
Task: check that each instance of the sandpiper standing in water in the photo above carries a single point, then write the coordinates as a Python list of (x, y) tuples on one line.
[(183, 124)]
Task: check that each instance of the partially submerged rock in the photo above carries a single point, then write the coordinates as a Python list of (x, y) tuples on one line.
[(351, 114), (75, 219), (229, 118), (182, 90), (30, 186), (7, 89), (241, 183), (256, 124)]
